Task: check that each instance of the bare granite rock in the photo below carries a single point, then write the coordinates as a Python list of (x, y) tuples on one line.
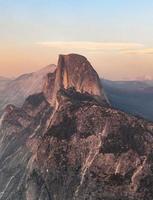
[(75, 71)]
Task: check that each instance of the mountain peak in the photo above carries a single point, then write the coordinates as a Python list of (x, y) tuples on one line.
[(75, 71)]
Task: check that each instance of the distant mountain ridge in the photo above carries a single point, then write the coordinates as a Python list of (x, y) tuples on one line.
[(15, 91), (133, 97), (2, 78), (3, 82)]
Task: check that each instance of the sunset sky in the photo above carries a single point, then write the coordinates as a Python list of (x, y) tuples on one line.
[(115, 35)]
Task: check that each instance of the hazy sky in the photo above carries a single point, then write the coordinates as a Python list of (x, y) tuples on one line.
[(115, 35)]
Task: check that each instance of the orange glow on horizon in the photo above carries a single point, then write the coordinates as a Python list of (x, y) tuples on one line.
[(16, 60)]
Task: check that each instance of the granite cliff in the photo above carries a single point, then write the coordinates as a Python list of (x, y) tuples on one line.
[(75, 71)]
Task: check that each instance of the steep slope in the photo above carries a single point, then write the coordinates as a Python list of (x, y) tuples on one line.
[(17, 90), (79, 149)]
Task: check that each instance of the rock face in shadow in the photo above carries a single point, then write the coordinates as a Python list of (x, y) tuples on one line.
[(48, 87), (80, 149)]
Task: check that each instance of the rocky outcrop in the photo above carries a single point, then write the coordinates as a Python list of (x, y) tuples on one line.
[(75, 71), (83, 149)]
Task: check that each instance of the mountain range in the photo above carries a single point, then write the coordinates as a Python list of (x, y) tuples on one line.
[(132, 97), (68, 142), (14, 91)]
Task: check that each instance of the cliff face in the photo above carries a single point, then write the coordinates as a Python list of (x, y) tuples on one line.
[(83, 149), (75, 71)]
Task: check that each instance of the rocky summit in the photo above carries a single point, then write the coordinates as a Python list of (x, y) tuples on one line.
[(68, 143), (75, 71)]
